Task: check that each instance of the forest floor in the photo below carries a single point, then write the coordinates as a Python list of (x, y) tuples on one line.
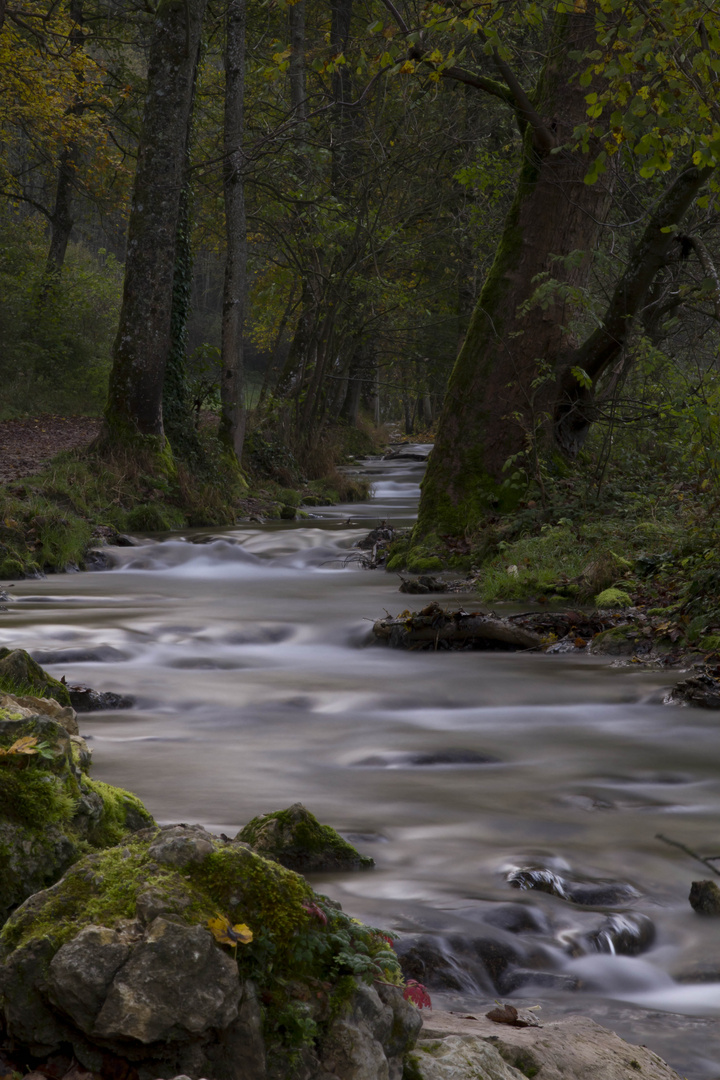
[(27, 445)]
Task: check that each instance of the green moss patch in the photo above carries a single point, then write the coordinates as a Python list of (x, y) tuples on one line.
[(21, 675), (295, 838)]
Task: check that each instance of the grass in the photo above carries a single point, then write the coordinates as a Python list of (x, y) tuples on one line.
[(49, 521)]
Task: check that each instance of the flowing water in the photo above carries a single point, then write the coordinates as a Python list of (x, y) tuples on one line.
[(256, 685)]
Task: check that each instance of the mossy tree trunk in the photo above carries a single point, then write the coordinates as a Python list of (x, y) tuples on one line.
[(142, 345), (232, 379), (502, 386)]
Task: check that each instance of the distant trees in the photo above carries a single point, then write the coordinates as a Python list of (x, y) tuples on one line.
[(349, 169)]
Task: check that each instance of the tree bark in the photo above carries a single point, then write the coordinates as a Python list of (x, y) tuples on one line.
[(502, 385), (232, 379), (143, 340)]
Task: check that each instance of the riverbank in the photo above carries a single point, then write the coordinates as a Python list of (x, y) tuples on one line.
[(54, 512)]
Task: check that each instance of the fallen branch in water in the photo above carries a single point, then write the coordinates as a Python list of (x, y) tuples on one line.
[(689, 851)]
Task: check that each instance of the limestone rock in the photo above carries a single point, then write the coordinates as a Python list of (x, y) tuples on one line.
[(574, 1046), (370, 1041), (459, 1057), (81, 973), (176, 983), (296, 839), (22, 706), (179, 845), (130, 969)]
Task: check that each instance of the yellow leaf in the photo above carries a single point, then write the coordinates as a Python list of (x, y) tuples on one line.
[(26, 745), (224, 932)]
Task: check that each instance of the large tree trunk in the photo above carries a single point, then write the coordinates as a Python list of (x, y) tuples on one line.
[(143, 340), (232, 379), (497, 396)]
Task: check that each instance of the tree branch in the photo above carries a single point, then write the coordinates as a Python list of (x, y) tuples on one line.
[(574, 409)]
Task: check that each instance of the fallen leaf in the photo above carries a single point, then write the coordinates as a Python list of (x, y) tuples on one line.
[(227, 934)]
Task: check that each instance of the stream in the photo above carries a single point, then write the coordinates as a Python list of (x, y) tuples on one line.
[(248, 654)]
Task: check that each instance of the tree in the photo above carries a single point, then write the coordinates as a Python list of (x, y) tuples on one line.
[(232, 386), (142, 344), (521, 364)]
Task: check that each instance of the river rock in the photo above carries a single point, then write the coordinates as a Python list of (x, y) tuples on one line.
[(16, 706), (133, 954), (85, 699), (20, 674), (623, 935), (586, 893), (705, 897), (296, 839), (370, 1040), (457, 963), (50, 810), (457, 1048)]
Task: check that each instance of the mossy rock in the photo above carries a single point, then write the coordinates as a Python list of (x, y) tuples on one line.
[(104, 928), (50, 811), (613, 598), (618, 641), (20, 674), (296, 839)]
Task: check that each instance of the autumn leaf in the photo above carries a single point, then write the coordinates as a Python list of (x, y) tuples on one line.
[(226, 934), (26, 745)]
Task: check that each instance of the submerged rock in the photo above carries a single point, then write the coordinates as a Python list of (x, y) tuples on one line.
[(296, 839), (138, 953), (623, 935), (587, 893)]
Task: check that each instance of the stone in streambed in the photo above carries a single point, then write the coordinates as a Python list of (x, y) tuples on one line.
[(457, 1048), (118, 959), (20, 674), (705, 897), (296, 839), (585, 893)]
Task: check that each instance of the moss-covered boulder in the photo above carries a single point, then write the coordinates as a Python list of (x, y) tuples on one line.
[(296, 839), (20, 674), (51, 812), (141, 953), (613, 598)]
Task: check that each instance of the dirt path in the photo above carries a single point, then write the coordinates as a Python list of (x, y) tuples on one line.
[(27, 445)]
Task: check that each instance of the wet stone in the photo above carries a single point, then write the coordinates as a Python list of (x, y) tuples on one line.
[(587, 894), (623, 935), (705, 898), (518, 919)]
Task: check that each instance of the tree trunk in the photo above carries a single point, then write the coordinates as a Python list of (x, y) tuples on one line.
[(232, 379), (143, 340), (61, 218), (502, 384)]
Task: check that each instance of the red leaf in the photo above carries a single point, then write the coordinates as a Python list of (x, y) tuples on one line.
[(417, 993)]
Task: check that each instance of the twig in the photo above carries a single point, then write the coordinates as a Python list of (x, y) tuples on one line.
[(688, 851)]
